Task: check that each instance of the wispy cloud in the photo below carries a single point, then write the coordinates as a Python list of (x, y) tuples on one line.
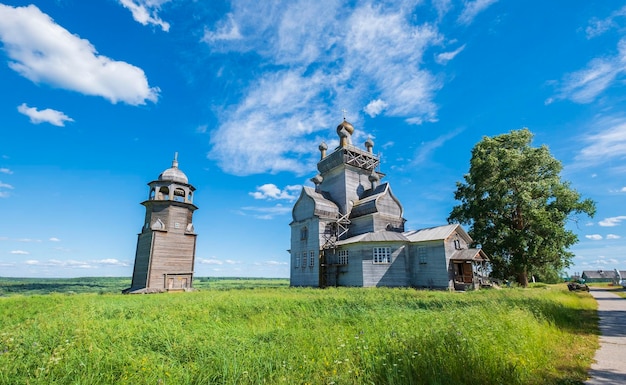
[(44, 52), (215, 261), (270, 191), (612, 236), (426, 149), (3, 190), (472, 9), (146, 12), (226, 29), (607, 143), (594, 237), (19, 252), (75, 264), (585, 85), (54, 239), (445, 57), (302, 50), (598, 27), (271, 263), (4, 170), (266, 212), (612, 221), (54, 117)]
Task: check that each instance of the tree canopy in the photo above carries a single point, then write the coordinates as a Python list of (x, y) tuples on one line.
[(517, 206)]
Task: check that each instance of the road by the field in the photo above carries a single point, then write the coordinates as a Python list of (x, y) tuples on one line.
[(610, 360)]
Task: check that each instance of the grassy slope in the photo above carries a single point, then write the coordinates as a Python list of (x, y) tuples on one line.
[(299, 336)]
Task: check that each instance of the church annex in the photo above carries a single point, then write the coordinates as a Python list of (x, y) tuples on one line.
[(349, 231)]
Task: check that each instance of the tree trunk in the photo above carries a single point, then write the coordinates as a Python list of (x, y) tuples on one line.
[(522, 278)]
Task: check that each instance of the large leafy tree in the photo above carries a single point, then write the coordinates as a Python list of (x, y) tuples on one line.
[(517, 206)]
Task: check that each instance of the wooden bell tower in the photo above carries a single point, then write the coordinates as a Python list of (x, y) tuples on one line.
[(166, 246)]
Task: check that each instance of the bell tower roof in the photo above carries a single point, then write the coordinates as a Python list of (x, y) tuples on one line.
[(173, 173)]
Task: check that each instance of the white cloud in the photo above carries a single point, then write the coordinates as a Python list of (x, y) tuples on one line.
[(598, 27), (445, 57), (111, 262), (146, 12), (44, 52), (594, 237), (609, 142), (472, 9), (75, 264), (314, 54), (54, 239), (585, 85), (54, 117), (442, 7), (275, 263), (271, 191), (613, 221), (623, 189), (29, 240), (375, 107), (225, 30), (4, 170), (19, 252), (612, 236), (210, 261)]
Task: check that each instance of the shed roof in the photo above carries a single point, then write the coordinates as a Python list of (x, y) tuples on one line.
[(477, 255)]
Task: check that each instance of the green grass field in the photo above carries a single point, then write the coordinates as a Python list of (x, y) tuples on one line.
[(282, 335)]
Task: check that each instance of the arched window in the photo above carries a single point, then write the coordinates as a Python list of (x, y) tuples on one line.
[(304, 233), (179, 195), (164, 194), (152, 193), (190, 197)]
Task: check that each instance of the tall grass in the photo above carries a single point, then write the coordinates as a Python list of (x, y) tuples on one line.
[(299, 336)]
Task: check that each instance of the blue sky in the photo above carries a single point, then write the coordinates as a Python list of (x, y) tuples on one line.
[(97, 96)]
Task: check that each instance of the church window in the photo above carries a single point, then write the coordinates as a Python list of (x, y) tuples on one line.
[(382, 255), (303, 259), (457, 244), (312, 259), (343, 257), (421, 254), (304, 233), (297, 261)]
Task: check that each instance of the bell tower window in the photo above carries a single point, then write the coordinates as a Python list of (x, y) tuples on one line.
[(164, 194), (179, 195)]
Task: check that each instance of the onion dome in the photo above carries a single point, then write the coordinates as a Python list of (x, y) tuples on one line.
[(174, 174), (345, 125)]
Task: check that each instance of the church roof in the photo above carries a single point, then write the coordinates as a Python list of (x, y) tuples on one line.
[(367, 204), (323, 206), (436, 233)]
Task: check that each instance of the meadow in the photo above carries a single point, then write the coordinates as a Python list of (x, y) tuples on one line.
[(281, 335)]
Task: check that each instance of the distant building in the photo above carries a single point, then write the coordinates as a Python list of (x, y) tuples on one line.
[(349, 231), (166, 246), (614, 276)]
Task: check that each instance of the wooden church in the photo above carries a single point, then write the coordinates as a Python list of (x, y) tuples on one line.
[(166, 246), (349, 231)]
